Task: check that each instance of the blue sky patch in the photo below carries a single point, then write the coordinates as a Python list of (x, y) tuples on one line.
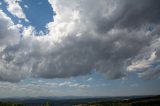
[(38, 12)]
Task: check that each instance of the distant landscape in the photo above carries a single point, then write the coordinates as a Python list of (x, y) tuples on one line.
[(83, 101), (79, 52)]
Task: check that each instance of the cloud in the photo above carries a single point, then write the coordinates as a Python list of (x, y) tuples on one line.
[(15, 9), (109, 36), (89, 79), (73, 85), (41, 89), (9, 36), (104, 35), (143, 63), (26, 6)]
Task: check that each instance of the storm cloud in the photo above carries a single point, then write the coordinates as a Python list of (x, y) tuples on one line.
[(112, 37)]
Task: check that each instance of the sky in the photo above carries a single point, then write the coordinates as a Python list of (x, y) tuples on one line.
[(79, 48)]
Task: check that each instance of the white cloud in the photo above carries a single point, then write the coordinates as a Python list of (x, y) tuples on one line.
[(89, 79), (85, 35), (15, 9), (143, 64), (102, 37), (26, 6), (36, 89), (73, 85), (9, 54)]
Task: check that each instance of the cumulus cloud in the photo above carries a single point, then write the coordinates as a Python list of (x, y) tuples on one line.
[(9, 36), (43, 88), (73, 85), (113, 37), (107, 35), (15, 9)]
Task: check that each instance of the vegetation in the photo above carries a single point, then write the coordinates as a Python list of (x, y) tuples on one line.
[(17, 104), (130, 101), (10, 104)]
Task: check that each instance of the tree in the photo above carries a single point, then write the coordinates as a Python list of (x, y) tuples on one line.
[(46, 104)]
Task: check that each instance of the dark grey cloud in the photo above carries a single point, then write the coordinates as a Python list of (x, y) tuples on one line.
[(128, 14), (137, 13), (110, 36)]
